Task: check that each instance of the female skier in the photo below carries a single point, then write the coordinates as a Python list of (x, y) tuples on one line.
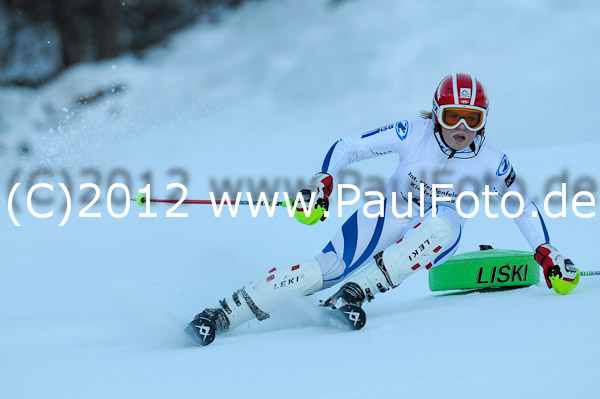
[(372, 255)]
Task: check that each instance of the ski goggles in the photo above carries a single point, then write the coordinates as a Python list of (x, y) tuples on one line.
[(450, 116)]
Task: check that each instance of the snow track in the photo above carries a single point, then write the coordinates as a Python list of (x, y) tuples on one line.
[(96, 309)]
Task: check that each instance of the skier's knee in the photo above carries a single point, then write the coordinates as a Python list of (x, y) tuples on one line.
[(332, 268)]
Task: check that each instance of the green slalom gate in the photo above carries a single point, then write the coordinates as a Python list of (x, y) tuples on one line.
[(488, 268)]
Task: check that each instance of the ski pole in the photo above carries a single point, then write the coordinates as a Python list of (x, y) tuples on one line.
[(141, 200), (573, 269), (589, 273)]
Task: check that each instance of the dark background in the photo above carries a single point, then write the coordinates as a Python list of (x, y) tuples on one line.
[(40, 38)]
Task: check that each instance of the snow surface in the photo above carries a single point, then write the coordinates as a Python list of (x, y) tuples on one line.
[(96, 308)]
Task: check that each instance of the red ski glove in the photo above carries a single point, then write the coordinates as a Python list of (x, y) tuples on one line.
[(321, 184), (560, 273)]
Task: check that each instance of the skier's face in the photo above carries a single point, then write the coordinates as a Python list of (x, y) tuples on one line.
[(458, 138)]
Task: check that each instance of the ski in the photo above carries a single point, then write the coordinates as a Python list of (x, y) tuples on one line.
[(202, 330), (351, 315)]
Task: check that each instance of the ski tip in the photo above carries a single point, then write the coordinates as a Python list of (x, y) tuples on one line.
[(202, 331), (354, 316), (141, 199)]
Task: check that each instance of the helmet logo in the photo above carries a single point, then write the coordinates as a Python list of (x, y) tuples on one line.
[(465, 92)]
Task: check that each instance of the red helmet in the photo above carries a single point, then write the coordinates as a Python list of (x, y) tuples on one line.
[(464, 94)]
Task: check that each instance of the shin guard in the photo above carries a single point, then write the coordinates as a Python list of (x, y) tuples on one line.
[(270, 293), (420, 248)]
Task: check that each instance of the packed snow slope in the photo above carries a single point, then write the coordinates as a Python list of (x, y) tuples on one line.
[(96, 308)]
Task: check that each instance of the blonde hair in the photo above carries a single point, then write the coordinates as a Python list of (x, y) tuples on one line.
[(426, 114)]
